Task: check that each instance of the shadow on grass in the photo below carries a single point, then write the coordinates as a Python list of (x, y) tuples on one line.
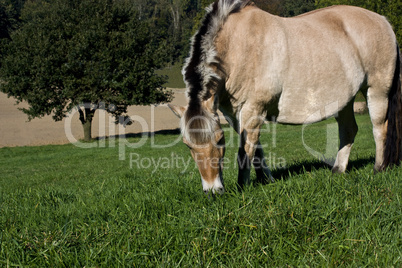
[(309, 166), (175, 131)]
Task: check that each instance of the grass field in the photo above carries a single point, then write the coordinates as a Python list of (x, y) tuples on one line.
[(175, 78), (63, 206)]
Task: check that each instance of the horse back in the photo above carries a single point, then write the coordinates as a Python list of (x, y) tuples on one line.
[(306, 68)]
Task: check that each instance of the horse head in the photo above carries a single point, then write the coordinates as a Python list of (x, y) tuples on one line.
[(203, 135)]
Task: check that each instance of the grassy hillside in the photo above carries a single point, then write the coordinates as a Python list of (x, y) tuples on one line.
[(173, 73), (68, 206)]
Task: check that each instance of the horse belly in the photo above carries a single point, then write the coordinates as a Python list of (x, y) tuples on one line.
[(308, 109), (319, 84)]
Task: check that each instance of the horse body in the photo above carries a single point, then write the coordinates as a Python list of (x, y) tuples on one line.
[(255, 66), (296, 68)]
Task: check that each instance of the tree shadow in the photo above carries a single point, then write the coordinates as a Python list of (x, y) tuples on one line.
[(175, 131), (309, 166)]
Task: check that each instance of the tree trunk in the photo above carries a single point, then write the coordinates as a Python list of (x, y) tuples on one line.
[(87, 130), (175, 10), (86, 116)]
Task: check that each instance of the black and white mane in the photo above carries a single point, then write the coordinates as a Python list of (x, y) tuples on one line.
[(198, 124)]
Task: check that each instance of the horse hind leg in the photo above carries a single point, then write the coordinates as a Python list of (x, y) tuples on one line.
[(392, 140), (378, 106), (347, 132)]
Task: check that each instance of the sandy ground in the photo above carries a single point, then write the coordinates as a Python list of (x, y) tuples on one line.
[(15, 130)]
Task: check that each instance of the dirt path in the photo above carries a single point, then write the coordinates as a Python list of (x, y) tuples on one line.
[(15, 130)]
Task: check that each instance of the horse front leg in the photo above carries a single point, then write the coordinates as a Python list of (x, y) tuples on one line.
[(261, 168), (244, 164), (249, 145)]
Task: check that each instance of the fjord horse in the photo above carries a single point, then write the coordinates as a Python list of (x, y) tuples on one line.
[(253, 66)]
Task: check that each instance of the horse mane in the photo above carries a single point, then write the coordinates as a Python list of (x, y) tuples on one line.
[(198, 74)]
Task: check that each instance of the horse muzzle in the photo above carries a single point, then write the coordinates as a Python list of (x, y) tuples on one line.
[(215, 186)]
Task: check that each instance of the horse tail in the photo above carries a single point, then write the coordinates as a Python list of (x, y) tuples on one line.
[(393, 142)]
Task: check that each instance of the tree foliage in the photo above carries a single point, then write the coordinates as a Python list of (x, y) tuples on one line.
[(69, 52), (9, 20), (296, 7), (10, 11), (176, 20), (58, 53)]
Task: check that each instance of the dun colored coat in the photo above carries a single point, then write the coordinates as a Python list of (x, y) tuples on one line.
[(253, 66)]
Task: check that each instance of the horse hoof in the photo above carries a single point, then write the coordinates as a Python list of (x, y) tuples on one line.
[(337, 170)]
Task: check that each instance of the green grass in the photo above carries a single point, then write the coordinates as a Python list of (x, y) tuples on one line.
[(175, 78), (360, 97), (67, 206)]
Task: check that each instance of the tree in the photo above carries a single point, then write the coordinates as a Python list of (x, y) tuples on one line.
[(9, 20), (274, 7), (69, 52), (5, 24), (10, 11), (173, 19), (296, 7)]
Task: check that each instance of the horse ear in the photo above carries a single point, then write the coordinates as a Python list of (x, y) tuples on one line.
[(177, 110)]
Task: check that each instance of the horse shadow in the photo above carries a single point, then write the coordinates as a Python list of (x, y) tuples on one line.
[(309, 166)]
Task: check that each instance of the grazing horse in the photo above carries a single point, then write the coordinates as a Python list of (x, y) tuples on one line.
[(253, 66)]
